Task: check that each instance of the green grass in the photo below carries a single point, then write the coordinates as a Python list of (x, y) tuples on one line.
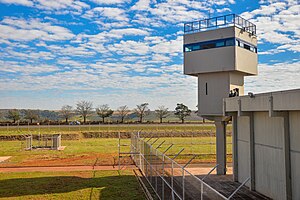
[(81, 152), (14, 130), (102, 150), (70, 185)]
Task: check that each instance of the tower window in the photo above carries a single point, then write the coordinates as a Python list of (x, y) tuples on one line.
[(245, 45), (219, 43), (230, 42), (206, 89), (208, 46)]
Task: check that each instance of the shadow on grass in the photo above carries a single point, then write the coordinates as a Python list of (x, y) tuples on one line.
[(109, 187)]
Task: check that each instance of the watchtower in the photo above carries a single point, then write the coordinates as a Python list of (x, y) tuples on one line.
[(219, 51)]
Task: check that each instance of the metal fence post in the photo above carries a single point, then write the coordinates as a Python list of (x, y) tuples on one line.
[(172, 179), (183, 177), (201, 190)]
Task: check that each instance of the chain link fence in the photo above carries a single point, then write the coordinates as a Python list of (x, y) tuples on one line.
[(167, 178)]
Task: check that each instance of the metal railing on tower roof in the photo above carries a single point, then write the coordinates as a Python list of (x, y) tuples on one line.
[(219, 22)]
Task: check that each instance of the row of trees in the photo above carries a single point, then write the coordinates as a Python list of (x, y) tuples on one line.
[(30, 115), (85, 108)]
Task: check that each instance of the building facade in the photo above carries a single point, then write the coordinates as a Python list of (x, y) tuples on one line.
[(266, 142)]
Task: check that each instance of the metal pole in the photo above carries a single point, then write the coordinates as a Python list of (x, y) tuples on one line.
[(160, 144), (163, 174), (168, 148), (201, 190), (238, 188), (176, 155), (183, 196), (119, 146), (150, 138), (210, 172), (189, 161), (172, 183), (154, 141)]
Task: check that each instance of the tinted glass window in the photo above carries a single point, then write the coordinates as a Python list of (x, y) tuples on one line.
[(188, 48), (208, 46), (220, 44), (196, 47), (246, 46), (230, 42)]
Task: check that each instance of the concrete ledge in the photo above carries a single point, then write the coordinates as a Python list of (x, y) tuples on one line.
[(288, 100)]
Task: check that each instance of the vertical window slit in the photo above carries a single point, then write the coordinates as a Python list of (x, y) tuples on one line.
[(206, 88)]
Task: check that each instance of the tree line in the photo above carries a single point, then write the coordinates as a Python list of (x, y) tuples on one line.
[(85, 109)]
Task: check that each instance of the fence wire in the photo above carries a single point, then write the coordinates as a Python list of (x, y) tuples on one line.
[(167, 178)]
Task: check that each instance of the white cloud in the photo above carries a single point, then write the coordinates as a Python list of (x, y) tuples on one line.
[(18, 2), (275, 77), (278, 23), (112, 13), (64, 6), (26, 30), (129, 31), (129, 47), (26, 69), (141, 5), (110, 1)]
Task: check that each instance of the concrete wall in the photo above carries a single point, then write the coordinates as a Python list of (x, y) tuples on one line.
[(247, 37), (245, 61), (217, 89), (243, 139), (269, 162), (203, 36), (276, 128), (295, 152), (209, 60)]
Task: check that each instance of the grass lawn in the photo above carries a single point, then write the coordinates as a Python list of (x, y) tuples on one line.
[(15, 130), (100, 151), (70, 185)]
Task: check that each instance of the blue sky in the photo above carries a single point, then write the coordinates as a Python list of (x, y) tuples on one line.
[(126, 52)]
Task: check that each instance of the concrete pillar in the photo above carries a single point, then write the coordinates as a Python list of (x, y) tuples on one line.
[(221, 146), (287, 156), (252, 151), (234, 147)]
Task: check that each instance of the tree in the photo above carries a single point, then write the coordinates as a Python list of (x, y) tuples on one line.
[(161, 112), (14, 115), (104, 111), (84, 108), (123, 111), (31, 115), (66, 112), (141, 110), (182, 111)]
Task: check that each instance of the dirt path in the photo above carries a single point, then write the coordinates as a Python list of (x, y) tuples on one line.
[(62, 169)]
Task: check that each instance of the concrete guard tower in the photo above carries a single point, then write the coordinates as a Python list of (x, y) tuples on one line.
[(219, 51)]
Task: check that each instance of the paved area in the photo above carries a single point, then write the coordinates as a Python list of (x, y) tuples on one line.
[(221, 183), (63, 169), (4, 158)]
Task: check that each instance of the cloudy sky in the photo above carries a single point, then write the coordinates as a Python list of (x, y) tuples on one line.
[(126, 52)]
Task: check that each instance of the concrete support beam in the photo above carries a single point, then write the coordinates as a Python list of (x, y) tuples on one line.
[(251, 143), (252, 152), (287, 156), (286, 148), (221, 146), (234, 147)]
